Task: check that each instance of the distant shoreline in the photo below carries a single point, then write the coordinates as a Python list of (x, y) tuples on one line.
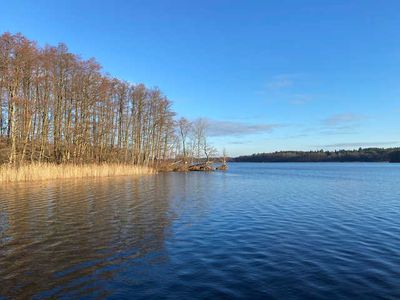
[(390, 155)]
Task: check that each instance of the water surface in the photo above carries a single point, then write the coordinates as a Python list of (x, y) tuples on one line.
[(258, 231)]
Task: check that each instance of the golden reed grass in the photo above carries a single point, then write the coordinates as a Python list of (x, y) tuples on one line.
[(32, 172)]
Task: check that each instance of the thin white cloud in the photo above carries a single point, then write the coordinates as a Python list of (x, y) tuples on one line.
[(300, 99), (339, 124), (283, 81), (360, 144), (239, 142), (340, 119), (280, 82), (217, 128)]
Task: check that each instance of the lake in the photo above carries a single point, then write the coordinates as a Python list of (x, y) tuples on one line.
[(258, 231)]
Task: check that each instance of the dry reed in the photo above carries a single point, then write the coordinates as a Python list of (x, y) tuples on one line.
[(32, 172)]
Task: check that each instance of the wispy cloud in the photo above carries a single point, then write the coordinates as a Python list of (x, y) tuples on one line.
[(360, 144), (280, 82), (288, 88), (295, 136), (340, 119), (300, 99), (239, 142), (346, 123), (217, 128)]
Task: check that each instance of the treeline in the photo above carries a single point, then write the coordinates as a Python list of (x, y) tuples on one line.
[(57, 107), (360, 155)]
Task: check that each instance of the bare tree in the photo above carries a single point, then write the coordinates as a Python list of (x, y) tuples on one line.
[(184, 127), (199, 136), (209, 150), (224, 156)]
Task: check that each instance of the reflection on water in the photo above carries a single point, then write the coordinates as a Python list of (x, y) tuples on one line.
[(55, 236), (257, 231)]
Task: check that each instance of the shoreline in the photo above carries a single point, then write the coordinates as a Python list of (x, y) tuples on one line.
[(49, 171), (315, 162)]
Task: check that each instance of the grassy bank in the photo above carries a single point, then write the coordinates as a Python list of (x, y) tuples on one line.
[(32, 172)]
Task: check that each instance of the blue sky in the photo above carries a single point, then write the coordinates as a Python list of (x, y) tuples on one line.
[(268, 75)]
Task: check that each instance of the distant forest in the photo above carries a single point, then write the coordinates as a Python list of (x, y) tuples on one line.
[(360, 155)]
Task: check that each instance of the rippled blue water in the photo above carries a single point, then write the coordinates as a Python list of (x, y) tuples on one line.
[(258, 231)]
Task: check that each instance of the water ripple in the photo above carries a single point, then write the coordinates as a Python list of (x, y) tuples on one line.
[(276, 231)]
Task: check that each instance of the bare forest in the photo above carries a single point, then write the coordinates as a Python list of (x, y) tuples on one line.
[(59, 108)]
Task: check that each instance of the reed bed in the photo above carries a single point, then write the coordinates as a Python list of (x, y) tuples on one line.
[(32, 172)]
